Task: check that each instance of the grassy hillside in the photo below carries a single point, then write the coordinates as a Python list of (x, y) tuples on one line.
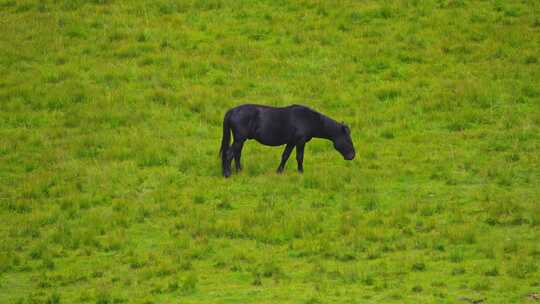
[(110, 125)]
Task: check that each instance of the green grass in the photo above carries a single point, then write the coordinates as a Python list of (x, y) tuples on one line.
[(110, 125)]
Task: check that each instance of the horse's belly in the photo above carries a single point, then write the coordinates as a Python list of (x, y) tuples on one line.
[(272, 132), (267, 142), (271, 138)]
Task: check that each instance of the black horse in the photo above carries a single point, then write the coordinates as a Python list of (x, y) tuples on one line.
[(294, 126)]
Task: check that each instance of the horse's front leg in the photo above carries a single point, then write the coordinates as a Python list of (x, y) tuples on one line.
[(300, 156), (284, 157)]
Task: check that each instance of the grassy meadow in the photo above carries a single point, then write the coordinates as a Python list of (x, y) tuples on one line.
[(110, 125)]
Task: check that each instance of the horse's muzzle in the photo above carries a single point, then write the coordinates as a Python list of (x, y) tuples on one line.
[(349, 156)]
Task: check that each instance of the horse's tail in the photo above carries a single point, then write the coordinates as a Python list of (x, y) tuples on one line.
[(226, 139)]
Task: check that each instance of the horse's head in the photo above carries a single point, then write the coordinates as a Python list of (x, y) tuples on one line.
[(343, 143)]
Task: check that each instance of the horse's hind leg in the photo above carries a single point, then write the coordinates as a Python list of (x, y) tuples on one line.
[(227, 162), (300, 156), (237, 150)]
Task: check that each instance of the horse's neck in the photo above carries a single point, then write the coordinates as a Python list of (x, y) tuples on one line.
[(328, 128)]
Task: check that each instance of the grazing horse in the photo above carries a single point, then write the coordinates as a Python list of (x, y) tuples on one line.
[(292, 126)]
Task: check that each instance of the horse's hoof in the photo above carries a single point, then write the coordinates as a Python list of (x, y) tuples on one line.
[(279, 170), (226, 174)]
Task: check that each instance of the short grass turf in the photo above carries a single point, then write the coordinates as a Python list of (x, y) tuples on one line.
[(110, 124)]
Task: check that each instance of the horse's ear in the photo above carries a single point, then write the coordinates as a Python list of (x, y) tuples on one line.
[(345, 129)]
